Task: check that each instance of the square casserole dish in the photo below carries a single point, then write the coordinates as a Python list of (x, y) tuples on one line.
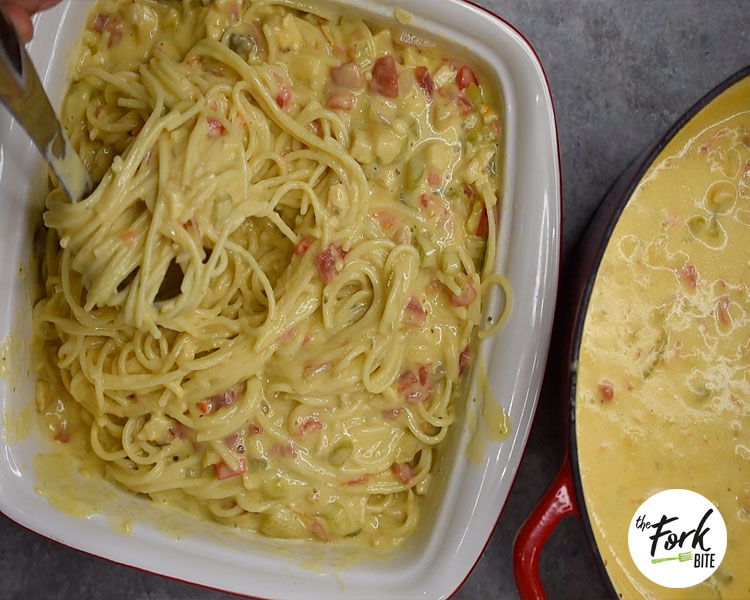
[(466, 496)]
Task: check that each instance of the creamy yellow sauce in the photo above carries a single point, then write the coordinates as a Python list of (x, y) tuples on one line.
[(663, 392), (266, 311)]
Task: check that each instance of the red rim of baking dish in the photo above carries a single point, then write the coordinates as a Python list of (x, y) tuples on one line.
[(565, 494)]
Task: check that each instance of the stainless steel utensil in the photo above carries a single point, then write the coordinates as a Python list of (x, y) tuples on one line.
[(22, 93)]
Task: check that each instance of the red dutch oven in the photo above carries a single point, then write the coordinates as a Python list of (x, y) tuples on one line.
[(565, 494)]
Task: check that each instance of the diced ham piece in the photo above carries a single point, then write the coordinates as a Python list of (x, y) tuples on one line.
[(285, 97), (402, 472), (215, 128), (302, 246), (254, 429), (414, 315), (467, 295), (483, 226), (425, 81), (464, 360), (309, 425), (326, 262), (385, 77), (214, 403), (224, 471), (466, 77), (340, 101), (348, 76)]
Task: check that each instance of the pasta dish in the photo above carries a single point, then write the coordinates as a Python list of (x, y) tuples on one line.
[(265, 311)]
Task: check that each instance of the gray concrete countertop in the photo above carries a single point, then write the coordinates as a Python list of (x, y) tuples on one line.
[(621, 71)]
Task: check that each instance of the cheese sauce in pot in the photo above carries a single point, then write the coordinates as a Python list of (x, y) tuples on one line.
[(663, 389)]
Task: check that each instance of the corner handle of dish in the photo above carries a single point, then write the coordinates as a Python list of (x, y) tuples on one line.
[(558, 501)]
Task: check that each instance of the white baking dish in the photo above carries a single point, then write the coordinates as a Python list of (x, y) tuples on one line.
[(467, 496)]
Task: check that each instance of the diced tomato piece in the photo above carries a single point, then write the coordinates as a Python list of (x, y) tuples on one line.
[(311, 370), (177, 431), (430, 201), (606, 391), (385, 77), (434, 179), (464, 360), (341, 50), (415, 315), (406, 380), (425, 81), (483, 226), (316, 127), (235, 441), (386, 218), (100, 21), (130, 237), (690, 275), (115, 32), (362, 480), (287, 450), (415, 386), (319, 530), (285, 97), (465, 107), (722, 310), (215, 128), (348, 76), (62, 434), (288, 334), (224, 471), (302, 246), (309, 425), (402, 472), (340, 101), (467, 295), (391, 413), (466, 77), (214, 403), (110, 23), (326, 262)]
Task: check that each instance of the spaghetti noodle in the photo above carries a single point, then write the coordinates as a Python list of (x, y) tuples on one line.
[(263, 310)]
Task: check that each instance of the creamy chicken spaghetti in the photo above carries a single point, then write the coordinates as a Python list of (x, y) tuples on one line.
[(263, 312)]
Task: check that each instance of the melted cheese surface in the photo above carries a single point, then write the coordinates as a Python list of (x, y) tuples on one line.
[(663, 392)]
